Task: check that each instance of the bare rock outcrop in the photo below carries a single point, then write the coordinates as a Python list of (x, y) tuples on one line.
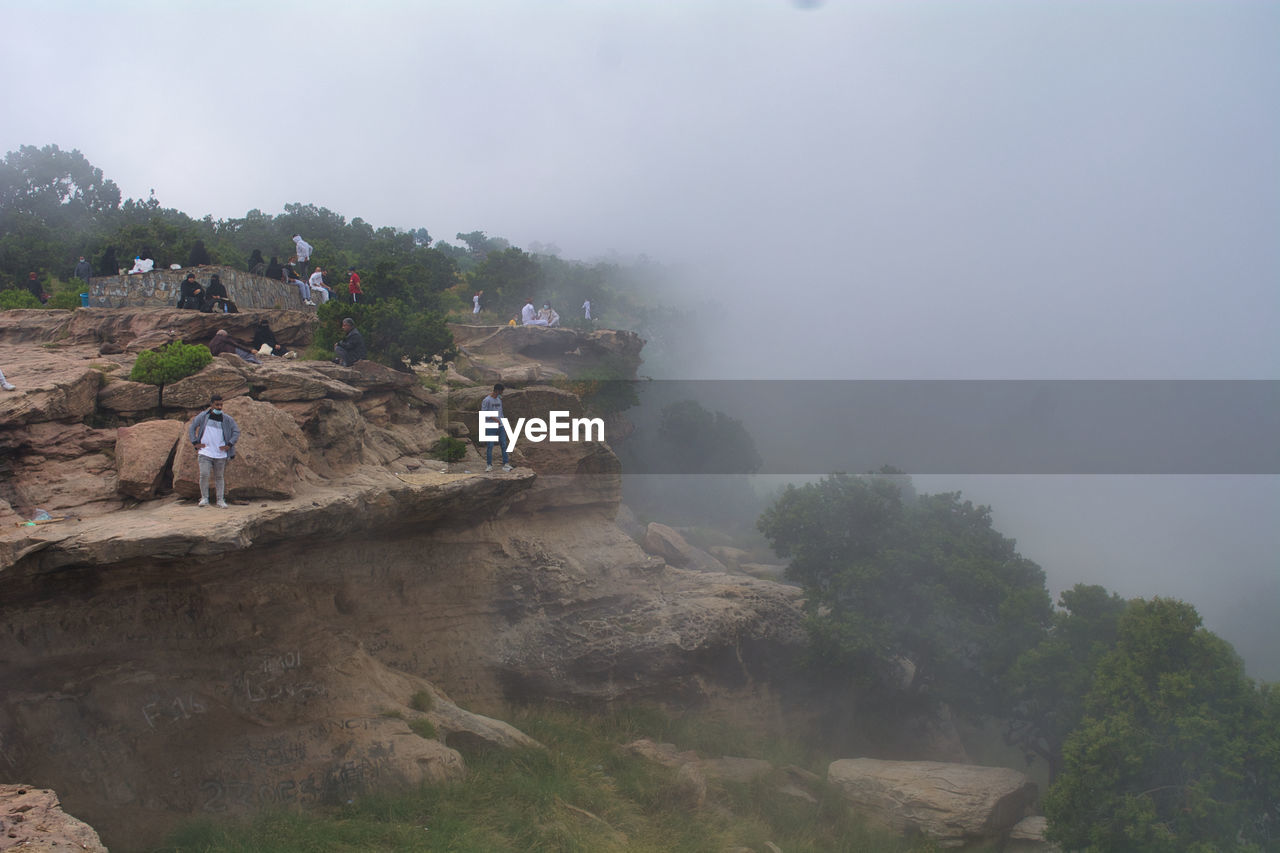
[(662, 541), (144, 453), (166, 661), (531, 354), (953, 804), (32, 819)]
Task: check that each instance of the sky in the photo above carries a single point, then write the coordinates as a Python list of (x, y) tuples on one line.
[(861, 190)]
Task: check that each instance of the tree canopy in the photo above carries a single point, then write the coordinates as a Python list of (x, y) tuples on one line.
[(1177, 751), (914, 595)]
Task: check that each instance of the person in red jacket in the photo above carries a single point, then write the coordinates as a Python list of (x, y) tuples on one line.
[(353, 286)]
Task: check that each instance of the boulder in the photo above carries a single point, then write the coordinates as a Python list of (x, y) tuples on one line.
[(33, 819), (953, 804), (224, 375), (128, 398), (51, 387), (1027, 836), (662, 541), (269, 454), (293, 382), (144, 453)]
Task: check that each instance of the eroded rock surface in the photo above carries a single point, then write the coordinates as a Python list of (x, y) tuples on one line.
[(954, 804), (165, 661), (32, 819)]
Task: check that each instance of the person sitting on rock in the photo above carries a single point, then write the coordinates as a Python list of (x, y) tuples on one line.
[(529, 315), (264, 337), (549, 314), (191, 296), (319, 290), (215, 298), (141, 265), (222, 342), (214, 434), (351, 348)]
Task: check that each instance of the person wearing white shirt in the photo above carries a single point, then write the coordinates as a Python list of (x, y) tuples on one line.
[(586, 309), (214, 434), (318, 288), (529, 315)]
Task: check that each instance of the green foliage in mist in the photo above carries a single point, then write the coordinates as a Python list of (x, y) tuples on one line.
[(18, 297), (916, 596), (1049, 681), (1177, 751)]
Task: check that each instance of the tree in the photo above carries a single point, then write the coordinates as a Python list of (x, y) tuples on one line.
[(1177, 750), (508, 277), (1049, 682), (394, 333), (922, 598), (62, 188), (698, 441)]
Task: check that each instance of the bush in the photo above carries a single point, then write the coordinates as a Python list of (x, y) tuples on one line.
[(18, 298), (69, 301), (423, 727), (448, 449), (394, 334), (170, 363), (421, 701)]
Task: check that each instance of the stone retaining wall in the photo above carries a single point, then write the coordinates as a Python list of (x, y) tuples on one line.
[(160, 289)]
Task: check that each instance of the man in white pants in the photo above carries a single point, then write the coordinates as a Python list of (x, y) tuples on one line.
[(214, 434)]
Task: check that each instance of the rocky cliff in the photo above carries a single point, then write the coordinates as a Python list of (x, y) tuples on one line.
[(343, 624)]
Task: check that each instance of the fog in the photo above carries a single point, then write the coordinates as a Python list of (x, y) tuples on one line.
[(872, 190)]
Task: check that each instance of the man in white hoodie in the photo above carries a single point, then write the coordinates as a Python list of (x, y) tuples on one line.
[(302, 249)]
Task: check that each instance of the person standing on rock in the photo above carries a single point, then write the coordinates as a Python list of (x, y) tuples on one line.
[(493, 403), (214, 434), (586, 309), (6, 384), (475, 304)]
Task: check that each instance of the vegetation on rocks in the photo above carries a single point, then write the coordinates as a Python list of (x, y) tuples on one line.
[(584, 792), (170, 363)]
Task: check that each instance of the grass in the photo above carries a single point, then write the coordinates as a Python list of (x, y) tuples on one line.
[(582, 793)]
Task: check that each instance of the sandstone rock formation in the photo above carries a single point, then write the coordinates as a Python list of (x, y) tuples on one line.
[(662, 541), (32, 819), (163, 661), (953, 804), (532, 354)]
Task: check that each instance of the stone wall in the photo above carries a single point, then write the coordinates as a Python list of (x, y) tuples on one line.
[(160, 288)]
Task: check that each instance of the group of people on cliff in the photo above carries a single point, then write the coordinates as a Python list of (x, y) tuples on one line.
[(313, 290)]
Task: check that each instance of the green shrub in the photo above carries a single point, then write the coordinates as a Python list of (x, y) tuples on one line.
[(421, 701), (18, 298), (449, 449), (66, 300), (170, 363), (422, 727)]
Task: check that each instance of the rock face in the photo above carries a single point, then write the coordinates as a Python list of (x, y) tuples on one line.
[(163, 661), (33, 819), (954, 804), (531, 354)]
